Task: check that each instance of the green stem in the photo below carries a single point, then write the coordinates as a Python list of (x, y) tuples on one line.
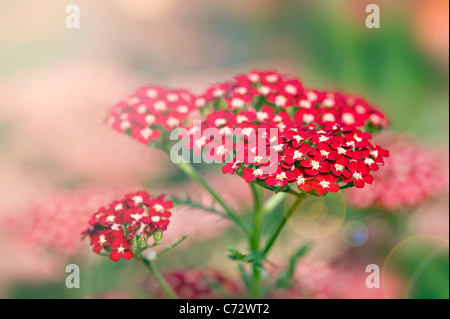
[(258, 214), (192, 173), (160, 279), (273, 202), (299, 199)]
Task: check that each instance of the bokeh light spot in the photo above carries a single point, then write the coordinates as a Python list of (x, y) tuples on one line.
[(420, 266), (355, 233), (316, 217)]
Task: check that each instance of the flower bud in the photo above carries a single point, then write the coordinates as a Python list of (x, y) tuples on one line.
[(134, 245), (142, 242), (158, 236)]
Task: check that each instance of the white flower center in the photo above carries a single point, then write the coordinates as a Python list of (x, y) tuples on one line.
[(171, 121), (324, 153), (311, 96), (341, 150), (305, 104), (324, 184), (219, 122), (241, 118), (111, 219), (221, 150), (138, 200), (241, 90), (308, 118), (278, 147), (102, 239), (146, 132), (328, 102), (357, 138), (264, 90), (262, 116), (280, 100), (141, 109), (136, 216), (160, 106), (290, 89), (357, 176), (253, 77), (257, 172), (182, 109), (272, 78), (301, 180), (237, 103), (151, 93), (298, 155), (156, 219), (125, 125), (172, 97), (315, 165), (218, 92), (348, 118), (150, 119)]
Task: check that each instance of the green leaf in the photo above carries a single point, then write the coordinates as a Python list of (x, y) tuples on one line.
[(173, 245), (285, 279), (254, 258), (236, 254), (245, 277), (188, 201)]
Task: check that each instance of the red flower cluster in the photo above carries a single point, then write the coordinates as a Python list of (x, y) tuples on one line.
[(126, 225), (317, 161), (272, 98), (321, 140), (317, 143), (413, 175), (197, 284), (151, 111)]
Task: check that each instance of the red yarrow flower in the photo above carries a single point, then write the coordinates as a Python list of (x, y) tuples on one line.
[(136, 217)]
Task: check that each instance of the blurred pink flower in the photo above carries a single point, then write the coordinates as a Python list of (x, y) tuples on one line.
[(312, 280), (56, 222), (36, 242), (413, 174), (62, 128), (196, 284), (350, 283), (432, 218)]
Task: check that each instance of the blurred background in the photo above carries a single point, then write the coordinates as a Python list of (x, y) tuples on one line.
[(59, 162)]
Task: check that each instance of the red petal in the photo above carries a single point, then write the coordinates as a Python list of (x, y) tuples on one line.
[(114, 256)]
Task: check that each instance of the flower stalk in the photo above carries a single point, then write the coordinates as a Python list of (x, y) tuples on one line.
[(194, 175), (298, 200), (170, 293), (258, 216)]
